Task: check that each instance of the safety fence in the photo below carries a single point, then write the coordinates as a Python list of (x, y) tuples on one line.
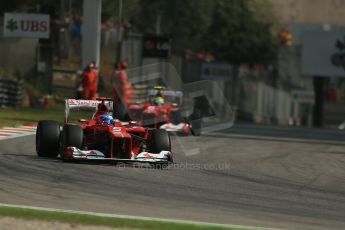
[(11, 92)]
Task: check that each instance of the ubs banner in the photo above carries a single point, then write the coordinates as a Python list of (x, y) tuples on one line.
[(324, 53), (26, 25)]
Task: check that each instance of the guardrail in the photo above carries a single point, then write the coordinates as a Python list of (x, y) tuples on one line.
[(11, 92)]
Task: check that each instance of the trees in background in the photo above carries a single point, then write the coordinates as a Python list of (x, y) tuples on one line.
[(237, 36), (185, 21), (236, 31)]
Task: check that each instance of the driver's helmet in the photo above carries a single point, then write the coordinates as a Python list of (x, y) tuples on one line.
[(101, 109), (108, 118), (159, 100)]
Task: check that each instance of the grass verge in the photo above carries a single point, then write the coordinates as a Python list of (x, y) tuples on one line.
[(85, 219), (15, 117), (19, 116)]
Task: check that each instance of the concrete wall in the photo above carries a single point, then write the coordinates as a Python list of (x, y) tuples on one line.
[(17, 54)]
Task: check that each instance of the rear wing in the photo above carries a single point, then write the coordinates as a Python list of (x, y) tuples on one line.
[(170, 95), (74, 104)]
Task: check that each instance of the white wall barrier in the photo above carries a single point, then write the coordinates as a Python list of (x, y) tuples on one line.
[(265, 103)]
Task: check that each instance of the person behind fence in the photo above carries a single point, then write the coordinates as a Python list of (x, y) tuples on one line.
[(89, 81), (122, 88)]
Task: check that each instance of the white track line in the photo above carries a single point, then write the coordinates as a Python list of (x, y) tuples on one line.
[(132, 217)]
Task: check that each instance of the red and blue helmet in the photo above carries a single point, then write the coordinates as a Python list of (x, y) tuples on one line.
[(108, 118)]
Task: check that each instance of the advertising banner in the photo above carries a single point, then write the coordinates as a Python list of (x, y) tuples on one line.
[(26, 25)]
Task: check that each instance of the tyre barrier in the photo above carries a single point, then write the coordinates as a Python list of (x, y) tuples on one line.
[(11, 92)]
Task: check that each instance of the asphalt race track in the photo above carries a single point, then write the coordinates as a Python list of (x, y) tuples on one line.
[(247, 175)]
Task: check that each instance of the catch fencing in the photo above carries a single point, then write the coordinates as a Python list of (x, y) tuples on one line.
[(264, 103)]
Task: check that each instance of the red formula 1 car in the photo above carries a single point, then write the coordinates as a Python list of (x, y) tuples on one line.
[(163, 110), (102, 137)]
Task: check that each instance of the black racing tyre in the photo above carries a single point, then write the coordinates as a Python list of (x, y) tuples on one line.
[(120, 112), (149, 120), (135, 115), (176, 117), (47, 138), (72, 135), (160, 141), (196, 115), (195, 127), (195, 122)]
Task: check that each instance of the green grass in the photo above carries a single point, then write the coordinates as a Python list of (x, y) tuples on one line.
[(83, 219), (20, 116)]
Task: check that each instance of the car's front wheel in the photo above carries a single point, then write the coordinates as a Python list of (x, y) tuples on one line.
[(159, 141), (47, 138), (72, 136)]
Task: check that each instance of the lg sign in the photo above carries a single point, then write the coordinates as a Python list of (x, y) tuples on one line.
[(156, 46), (26, 25)]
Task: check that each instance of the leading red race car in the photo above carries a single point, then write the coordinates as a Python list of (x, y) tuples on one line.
[(102, 137)]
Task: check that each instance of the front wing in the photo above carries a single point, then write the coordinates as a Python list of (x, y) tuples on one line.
[(73, 153), (183, 128)]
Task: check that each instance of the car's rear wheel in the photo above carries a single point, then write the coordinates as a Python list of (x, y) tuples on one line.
[(47, 138), (149, 120), (120, 112), (195, 127), (72, 136), (160, 141), (176, 117), (195, 122)]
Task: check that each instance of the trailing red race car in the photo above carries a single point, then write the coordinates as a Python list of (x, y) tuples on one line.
[(102, 137), (163, 111)]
